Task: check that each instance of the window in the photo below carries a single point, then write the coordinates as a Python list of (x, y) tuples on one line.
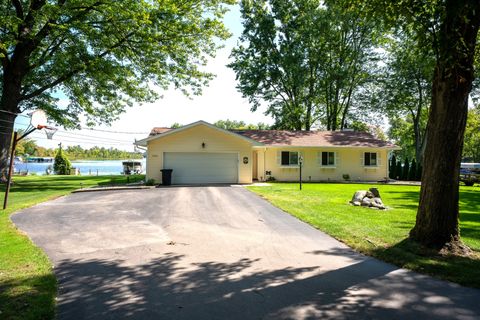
[(370, 159), (289, 158), (328, 159)]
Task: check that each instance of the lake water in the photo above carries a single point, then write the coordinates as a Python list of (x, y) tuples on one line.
[(87, 167)]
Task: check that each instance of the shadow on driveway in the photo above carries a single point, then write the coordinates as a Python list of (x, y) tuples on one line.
[(162, 289)]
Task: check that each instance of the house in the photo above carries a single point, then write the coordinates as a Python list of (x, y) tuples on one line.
[(202, 153)]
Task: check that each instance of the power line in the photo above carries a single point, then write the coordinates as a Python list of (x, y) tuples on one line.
[(85, 142), (94, 139), (88, 136), (121, 132)]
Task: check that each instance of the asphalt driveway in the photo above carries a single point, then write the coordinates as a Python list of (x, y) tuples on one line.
[(219, 253)]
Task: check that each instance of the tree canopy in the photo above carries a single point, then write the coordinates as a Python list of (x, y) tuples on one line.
[(306, 60)]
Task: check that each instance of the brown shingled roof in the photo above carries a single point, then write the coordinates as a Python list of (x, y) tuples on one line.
[(306, 138), (158, 130), (315, 138)]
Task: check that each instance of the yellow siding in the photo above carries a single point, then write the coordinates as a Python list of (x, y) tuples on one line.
[(349, 161), (190, 140)]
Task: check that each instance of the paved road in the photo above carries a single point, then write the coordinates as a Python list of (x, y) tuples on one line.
[(219, 253)]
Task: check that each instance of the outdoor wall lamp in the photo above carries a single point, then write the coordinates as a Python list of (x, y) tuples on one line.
[(203, 145)]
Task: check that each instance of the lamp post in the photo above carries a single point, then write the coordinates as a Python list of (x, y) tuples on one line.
[(300, 163)]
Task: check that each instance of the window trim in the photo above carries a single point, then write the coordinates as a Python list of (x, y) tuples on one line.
[(334, 165), (289, 165), (365, 159)]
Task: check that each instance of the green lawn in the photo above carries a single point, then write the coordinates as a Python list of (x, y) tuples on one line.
[(27, 283), (382, 234)]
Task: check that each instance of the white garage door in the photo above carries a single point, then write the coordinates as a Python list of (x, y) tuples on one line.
[(195, 167)]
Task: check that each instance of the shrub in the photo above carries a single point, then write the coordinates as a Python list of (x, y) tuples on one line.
[(398, 170), (61, 165), (406, 168), (150, 182), (392, 167), (346, 176), (412, 174)]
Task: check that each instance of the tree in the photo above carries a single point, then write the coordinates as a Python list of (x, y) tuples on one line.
[(407, 85), (306, 60), (61, 165), (437, 217), (471, 149), (101, 55), (405, 170), (412, 173), (399, 170), (450, 28), (240, 125), (176, 125), (392, 167)]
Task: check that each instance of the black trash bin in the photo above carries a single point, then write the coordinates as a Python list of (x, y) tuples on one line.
[(166, 176)]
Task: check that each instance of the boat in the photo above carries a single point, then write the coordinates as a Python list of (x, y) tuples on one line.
[(473, 167), (39, 159), (132, 167)]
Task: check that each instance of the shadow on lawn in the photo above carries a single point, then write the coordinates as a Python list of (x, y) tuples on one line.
[(67, 183), (162, 289), (410, 254), (28, 298)]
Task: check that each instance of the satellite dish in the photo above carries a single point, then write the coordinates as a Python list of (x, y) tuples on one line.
[(38, 119)]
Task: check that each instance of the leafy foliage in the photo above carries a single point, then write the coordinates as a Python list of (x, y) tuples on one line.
[(407, 89), (412, 172), (306, 60), (61, 165), (471, 149), (103, 55), (392, 167), (234, 124)]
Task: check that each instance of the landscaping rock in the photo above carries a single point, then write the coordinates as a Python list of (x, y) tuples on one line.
[(358, 196), (366, 202), (375, 192), (369, 199)]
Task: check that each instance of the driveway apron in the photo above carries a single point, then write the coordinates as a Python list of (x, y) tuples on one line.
[(219, 252)]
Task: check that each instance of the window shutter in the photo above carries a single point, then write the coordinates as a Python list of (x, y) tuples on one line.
[(337, 159), (279, 158), (362, 155), (319, 158), (302, 154), (379, 159)]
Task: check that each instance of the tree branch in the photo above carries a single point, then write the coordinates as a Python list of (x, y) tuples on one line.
[(74, 71)]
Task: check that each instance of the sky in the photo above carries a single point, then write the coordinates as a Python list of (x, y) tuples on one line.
[(219, 101)]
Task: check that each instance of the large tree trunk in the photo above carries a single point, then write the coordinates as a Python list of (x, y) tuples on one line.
[(437, 217)]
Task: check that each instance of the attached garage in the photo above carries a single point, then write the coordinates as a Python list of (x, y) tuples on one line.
[(202, 167)]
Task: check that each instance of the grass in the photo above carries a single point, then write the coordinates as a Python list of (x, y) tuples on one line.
[(27, 283), (382, 234)]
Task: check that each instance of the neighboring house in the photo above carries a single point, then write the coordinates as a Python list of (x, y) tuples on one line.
[(202, 153)]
